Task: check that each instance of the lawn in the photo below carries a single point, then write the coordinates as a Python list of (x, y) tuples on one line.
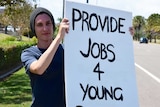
[(15, 91), (4, 36)]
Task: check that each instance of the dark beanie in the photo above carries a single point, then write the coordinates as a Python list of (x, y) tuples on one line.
[(35, 13)]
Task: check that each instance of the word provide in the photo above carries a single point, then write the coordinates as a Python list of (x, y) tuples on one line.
[(111, 24)]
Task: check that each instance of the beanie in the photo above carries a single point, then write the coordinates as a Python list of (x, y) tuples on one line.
[(35, 13)]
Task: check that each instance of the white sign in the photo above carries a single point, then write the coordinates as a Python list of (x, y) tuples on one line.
[(99, 60)]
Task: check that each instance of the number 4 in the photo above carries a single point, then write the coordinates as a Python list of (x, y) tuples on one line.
[(97, 70)]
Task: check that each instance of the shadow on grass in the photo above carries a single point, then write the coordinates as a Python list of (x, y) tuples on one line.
[(15, 89)]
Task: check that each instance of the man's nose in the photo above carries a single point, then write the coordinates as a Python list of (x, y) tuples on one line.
[(45, 27)]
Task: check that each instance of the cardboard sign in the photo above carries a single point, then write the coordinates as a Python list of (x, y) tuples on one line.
[(99, 60)]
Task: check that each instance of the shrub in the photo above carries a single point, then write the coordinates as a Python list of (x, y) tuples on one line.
[(10, 52), (34, 39), (11, 38)]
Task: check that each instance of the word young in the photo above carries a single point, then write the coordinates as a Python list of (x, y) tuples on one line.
[(111, 24), (103, 51), (102, 93)]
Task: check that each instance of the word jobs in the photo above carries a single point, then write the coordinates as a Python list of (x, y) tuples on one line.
[(110, 24), (104, 51)]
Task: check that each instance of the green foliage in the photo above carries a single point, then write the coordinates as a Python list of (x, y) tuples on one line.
[(34, 39), (11, 55), (10, 51), (11, 38), (56, 30), (15, 91), (153, 20), (10, 2), (29, 34), (153, 23), (149, 28), (138, 25), (16, 13)]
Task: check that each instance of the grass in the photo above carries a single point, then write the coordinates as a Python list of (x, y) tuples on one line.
[(7, 41), (15, 91), (4, 36)]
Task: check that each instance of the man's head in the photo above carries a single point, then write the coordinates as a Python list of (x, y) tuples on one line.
[(35, 13)]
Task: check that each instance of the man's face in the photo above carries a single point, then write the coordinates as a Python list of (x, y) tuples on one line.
[(43, 27)]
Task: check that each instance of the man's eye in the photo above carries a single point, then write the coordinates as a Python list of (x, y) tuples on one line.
[(39, 24), (48, 23)]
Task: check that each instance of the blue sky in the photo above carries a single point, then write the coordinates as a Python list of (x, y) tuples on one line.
[(136, 7)]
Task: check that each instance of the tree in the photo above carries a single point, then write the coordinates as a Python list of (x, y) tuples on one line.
[(57, 26), (17, 15), (138, 25), (10, 2), (9, 5), (153, 26)]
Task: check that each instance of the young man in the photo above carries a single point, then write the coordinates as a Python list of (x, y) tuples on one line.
[(44, 62)]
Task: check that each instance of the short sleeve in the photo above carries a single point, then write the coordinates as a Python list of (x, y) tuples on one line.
[(27, 57)]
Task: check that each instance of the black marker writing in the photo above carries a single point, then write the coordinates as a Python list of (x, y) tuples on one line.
[(103, 51), (95, 92), (86, 20)]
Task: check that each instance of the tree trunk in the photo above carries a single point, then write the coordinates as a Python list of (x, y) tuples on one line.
[(155, 39)]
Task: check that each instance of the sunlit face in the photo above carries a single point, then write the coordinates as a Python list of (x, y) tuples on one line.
[(43, 27)]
